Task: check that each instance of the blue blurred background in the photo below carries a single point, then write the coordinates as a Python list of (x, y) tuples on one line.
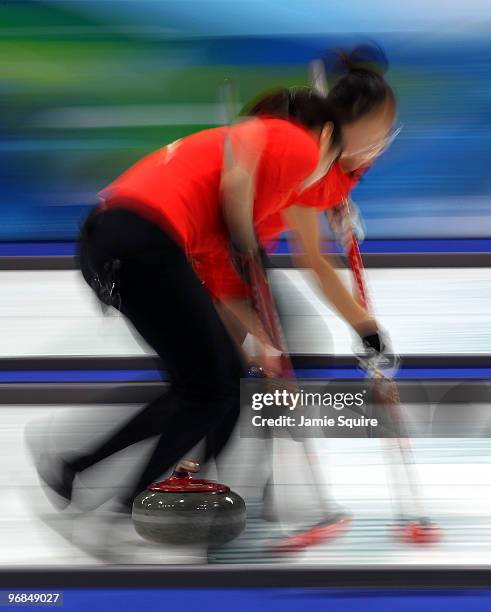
[(86, 88)]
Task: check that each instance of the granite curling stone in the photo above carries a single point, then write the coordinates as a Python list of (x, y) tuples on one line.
[(185, 510)]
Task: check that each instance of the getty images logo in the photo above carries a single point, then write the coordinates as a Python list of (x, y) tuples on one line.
[(289, 400)]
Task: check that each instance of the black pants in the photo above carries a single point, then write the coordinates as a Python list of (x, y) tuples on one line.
[(167, 304)]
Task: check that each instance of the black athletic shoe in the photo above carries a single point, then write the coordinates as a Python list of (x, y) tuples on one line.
[(58, 476), (124, 506)]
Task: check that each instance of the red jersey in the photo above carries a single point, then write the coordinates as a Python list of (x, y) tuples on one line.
[(179, 185), (218, 273)]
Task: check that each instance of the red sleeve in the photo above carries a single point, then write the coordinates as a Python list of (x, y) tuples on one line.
[(327, 192)]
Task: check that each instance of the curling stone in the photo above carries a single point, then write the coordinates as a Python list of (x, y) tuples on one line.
[(185, 510)]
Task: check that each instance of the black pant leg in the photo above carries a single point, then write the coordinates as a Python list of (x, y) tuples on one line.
[(168, 306)]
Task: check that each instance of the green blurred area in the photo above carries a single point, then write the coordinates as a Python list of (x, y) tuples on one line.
[(51, 60), (82, 97), (40, 76)]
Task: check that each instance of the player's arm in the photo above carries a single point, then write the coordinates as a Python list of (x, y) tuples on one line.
[(243, 146), (240, 319), (305, 224)]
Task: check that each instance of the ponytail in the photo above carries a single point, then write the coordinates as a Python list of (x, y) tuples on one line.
[(358, 88)]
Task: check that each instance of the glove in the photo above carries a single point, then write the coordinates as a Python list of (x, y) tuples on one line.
[(342, 223), (378, 353), (375, 342)]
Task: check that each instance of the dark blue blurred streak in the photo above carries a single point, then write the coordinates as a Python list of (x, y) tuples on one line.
[(279, 599)]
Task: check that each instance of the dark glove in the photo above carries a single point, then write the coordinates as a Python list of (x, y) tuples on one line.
[(378, 352), (375, 342)]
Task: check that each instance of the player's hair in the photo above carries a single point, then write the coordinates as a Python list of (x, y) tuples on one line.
[(358, 88), (298, 104)]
